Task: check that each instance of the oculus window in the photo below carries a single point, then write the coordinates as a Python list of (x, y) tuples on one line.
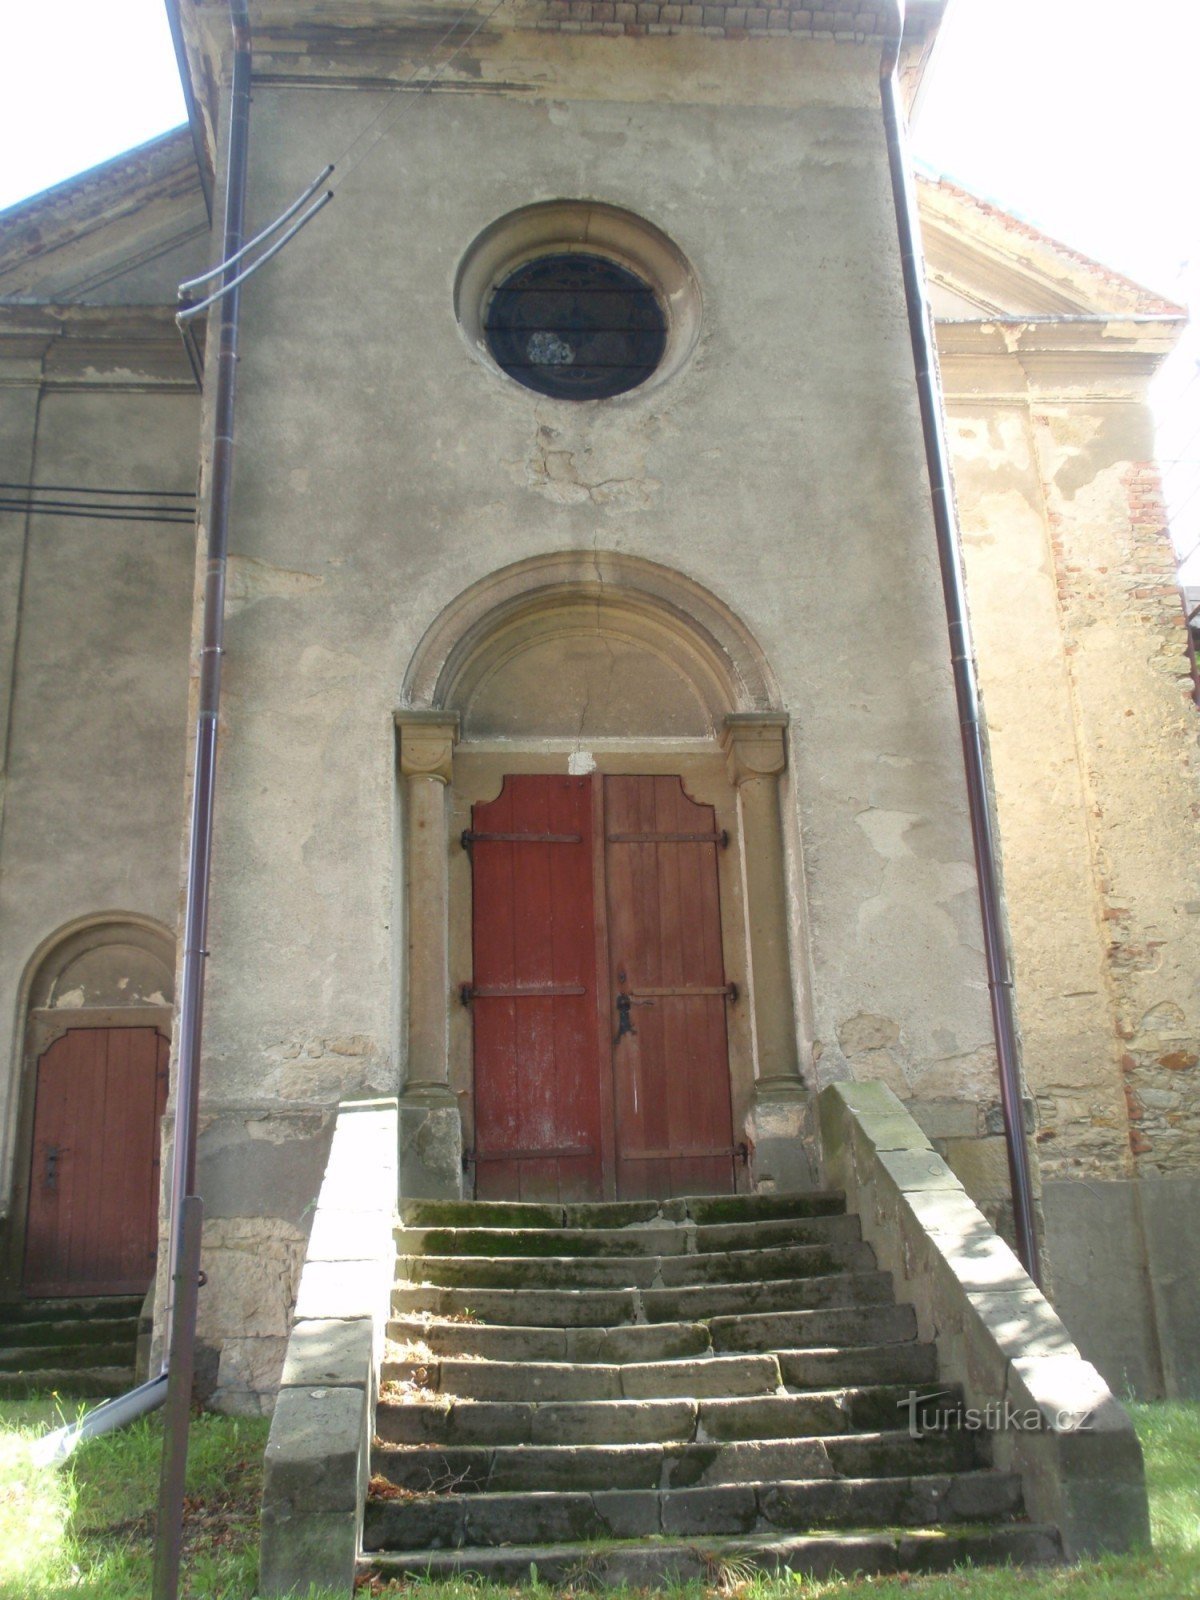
[(576, 326)]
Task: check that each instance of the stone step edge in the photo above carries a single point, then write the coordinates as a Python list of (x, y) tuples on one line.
[(916, 1480), (884, 1438), (693, 1258), (853, 1551), (403, 1232), (704, 1210), (78, 1382), (428, 1373), (594, 1291), (41, 1357), (441, 1400), (409, 1323)]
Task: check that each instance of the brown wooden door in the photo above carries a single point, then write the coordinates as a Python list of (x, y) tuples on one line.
[(598, 994), (93, 1182), (674, 1131), (538, 1122)]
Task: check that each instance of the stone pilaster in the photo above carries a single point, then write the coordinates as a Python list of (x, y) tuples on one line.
[(430, 1125), (756, 754)]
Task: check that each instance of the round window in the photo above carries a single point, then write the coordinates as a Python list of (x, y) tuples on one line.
[(578, 300), (576, 326)]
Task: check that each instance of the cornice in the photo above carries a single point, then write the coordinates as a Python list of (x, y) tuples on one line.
[(90, 347), (1067, 358)]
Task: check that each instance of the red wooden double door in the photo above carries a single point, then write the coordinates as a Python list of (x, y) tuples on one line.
[(91, 1226), (599, 994)]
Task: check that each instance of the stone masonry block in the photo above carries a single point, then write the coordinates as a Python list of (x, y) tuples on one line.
[(339, 1289), (349, 1235), (338, 1352), (1079, 1460), (891, 1132), (302, 1552), (1085, 1465), (917, 1169), (314, 1450)]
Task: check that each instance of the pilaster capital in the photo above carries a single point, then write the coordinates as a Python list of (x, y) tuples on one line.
[(427, 740), (754, 745)]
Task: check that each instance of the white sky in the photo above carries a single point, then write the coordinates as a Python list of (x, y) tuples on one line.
[(1078, 114)]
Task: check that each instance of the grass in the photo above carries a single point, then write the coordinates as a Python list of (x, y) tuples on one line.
[(84, 1532)]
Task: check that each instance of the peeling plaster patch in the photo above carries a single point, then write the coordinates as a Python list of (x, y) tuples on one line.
[(248, 581), (70, 1000), (867, 1042), (320, 668), (606, 473), (580, 763), (865, 1031), (886, 830)]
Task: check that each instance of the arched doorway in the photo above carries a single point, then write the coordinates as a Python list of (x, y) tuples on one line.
[(97, 1048), (578, 750)]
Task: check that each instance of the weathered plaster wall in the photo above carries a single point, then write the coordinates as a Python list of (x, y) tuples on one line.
[(1080, 637), (383, 468), (95, 618)]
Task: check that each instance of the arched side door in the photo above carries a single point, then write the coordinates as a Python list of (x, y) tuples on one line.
[(92, 1219)]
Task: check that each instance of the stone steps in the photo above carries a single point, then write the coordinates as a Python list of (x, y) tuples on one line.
[(837, 1327), (450, 1521), (636, 1239), (80, 1383), (481, 1379), (644, 1565), (69, 1357), (668, 1271), (602, 1308), (619, 1214), (592, 1389), (440, 1419), (82, 1347), (423, 1468)]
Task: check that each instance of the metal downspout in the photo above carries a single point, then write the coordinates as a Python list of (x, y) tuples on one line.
[(173, 1383), (966, 688), (195, 931)]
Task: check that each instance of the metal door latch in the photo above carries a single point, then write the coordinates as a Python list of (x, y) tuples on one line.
[(624, 1021)]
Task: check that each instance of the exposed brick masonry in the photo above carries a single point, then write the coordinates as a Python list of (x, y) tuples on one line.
[(837, 19), (1161, 1081)]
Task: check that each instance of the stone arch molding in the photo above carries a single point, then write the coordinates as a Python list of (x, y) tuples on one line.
[(114, 960), (593, 645)]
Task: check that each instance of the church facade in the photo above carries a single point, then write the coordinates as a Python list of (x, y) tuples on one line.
[(589, 773)]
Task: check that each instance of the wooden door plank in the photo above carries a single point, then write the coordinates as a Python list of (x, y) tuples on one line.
[(605, 1012), (672, 1076), (536, 1065)]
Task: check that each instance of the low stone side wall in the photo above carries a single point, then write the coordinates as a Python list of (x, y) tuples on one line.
[(1049, 1414), (318, 1453)]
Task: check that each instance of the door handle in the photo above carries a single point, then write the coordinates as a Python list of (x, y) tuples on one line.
[(624, 1020), (50, 1174)]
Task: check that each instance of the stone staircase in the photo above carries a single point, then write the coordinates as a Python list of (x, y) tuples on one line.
[(83, 1347), (643, 1392)]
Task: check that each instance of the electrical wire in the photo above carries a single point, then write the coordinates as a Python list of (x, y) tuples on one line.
[(172, 506), (389, 114)]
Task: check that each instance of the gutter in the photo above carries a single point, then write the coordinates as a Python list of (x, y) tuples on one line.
[(966, 686)]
